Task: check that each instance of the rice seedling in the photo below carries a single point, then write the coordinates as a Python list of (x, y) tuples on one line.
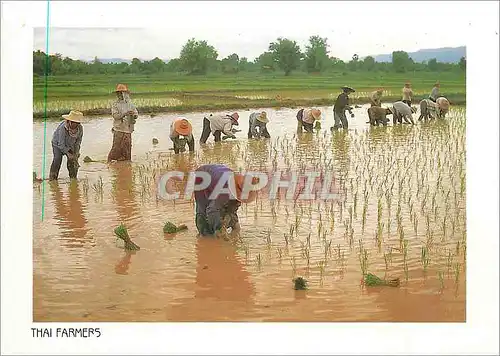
[(293, 264), (98, 188), (300, 283), (268, 238), (457, 272), (441, 279), (424, 258), (258, 258)]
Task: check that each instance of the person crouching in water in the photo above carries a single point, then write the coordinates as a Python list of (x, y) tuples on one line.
[(257, 125), (218, 125), (217, 212), (306, 118), (181, 133), (400, 111), (378, 115), (124, 116), (66, 141), (339, 108)]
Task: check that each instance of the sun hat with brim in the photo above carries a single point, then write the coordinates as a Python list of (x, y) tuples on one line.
[(316, 113), (348, 89), (121, 87), (262, 117), (75, 116), (234, 116), (183, 127)]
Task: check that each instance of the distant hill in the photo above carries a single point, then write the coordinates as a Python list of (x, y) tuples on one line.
[(445, 54)]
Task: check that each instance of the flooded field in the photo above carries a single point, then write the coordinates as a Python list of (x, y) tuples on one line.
[(401, 215)]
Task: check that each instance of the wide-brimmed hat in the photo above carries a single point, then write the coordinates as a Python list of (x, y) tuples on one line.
[(75, 116), (121, 87), (380, 90), (235, 118), (437, 84), (345, 88), (262, 117), (407, 83), (316, 113), (183, 127)]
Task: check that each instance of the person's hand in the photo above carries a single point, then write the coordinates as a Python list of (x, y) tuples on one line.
[(352, 114)]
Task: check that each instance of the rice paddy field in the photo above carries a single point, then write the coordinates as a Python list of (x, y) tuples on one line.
[(400, 214), (93, 95)]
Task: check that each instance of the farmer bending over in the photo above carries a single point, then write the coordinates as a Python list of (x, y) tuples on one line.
[(339, 108), (378, 115), (181, 133), (214, 213), (402, 111), (124, 114), (66, 141), (218, 124), (257, 125), (306, 118), (376, 97)]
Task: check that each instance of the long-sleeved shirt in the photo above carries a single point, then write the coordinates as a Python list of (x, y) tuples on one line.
[(342, 104), (253, 123), (407, 94), (403, 110), (178, 142), (123, 122), (222, 123), (212, 209), (375, 98), (63, 141), (434, 93)]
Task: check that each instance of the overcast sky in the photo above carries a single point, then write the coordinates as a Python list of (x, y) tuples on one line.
[(159, 29)]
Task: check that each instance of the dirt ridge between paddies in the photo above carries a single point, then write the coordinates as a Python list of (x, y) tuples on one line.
[(455, 99)]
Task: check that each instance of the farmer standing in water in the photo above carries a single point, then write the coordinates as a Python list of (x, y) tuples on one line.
[(124, 116), (435, 92), (216, 211), (66, 141), (339, 108)]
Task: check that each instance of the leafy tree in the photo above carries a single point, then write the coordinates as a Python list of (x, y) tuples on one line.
[(286, 54), (266, 62), (197, 56), (230, 64), (401, 61), (463, 64), (316, 55), (369, 63), (432, 65)]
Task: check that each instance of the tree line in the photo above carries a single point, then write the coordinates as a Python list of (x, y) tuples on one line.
[(199, 57)]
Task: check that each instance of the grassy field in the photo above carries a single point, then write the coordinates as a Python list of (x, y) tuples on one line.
[(180, 93)]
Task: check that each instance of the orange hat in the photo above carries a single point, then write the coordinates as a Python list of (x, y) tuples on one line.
[(316, 113), (183, 127), (121, 87)]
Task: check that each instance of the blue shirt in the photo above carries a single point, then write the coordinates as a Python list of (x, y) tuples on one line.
[(64, 142)]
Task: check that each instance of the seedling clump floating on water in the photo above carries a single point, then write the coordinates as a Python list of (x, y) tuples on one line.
[(170, 228), (372, 280), (300, 283), (122, 233)]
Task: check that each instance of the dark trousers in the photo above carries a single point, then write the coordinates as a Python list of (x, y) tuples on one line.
[(55, 167), (407, 102), (205, 134), (340, 121), (263, 133)]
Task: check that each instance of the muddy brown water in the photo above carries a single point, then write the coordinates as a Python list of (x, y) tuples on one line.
[(401, 186)]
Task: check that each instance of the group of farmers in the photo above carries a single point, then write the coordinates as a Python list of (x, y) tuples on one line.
[(212, 215), (435, 106)]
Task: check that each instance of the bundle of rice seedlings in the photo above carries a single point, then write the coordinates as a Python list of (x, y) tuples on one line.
[(122, 233)]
